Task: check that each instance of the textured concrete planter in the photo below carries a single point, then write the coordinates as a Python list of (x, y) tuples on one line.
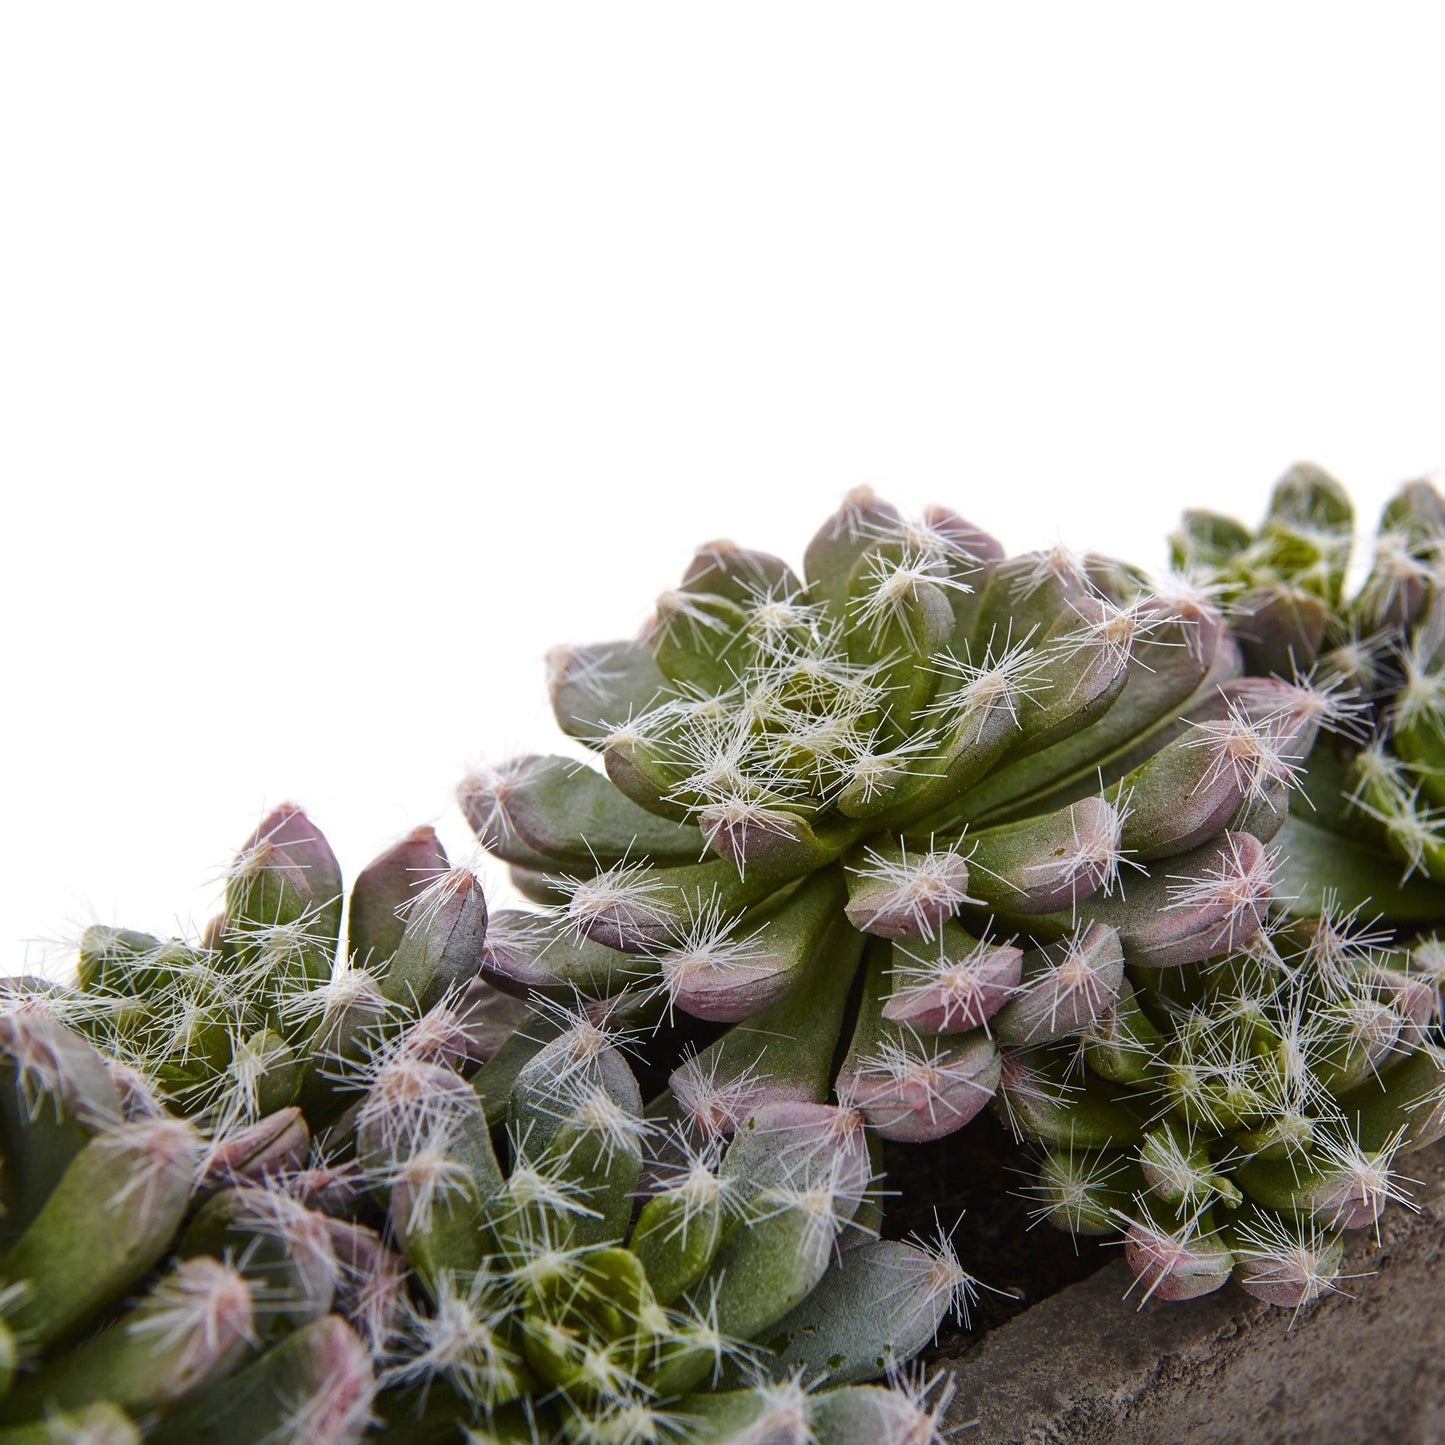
[(1086, 1365)]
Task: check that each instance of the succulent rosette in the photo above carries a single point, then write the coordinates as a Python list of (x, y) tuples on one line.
[(907, 832), (1278, 1085)]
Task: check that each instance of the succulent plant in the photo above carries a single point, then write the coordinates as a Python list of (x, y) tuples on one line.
[(263, 1186), (1371, 835), (925, 828), (893, 819), (1235, 1115), (1234, 1118)]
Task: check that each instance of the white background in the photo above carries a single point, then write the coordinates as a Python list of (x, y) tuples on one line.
[(352, 355)]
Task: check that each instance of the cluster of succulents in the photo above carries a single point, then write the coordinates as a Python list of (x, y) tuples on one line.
[(924, 829), (266, 1186), (875, 819), (1371, 833)]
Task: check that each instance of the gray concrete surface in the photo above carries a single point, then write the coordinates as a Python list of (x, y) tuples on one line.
[(1087, 1366)]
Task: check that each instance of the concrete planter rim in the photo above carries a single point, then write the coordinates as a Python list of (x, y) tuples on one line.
[(1363, 1365)]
